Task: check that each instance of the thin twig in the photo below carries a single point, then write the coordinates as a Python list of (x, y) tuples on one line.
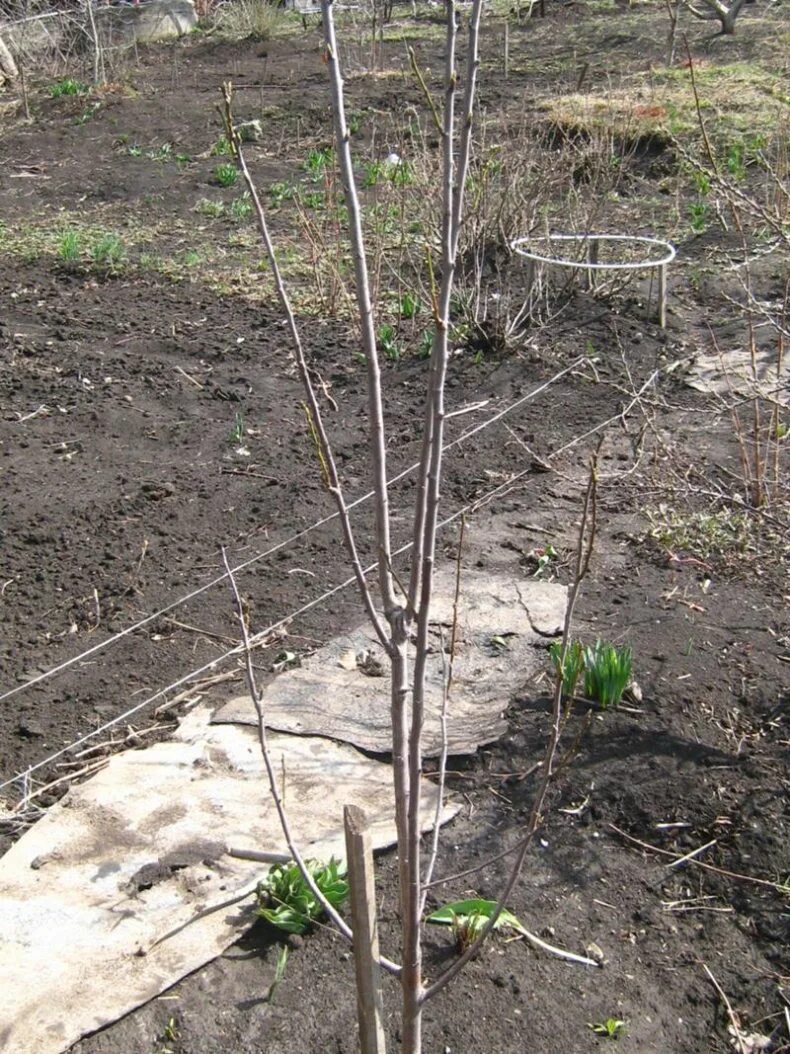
[(776, 886), (584, 550), (739, 1038)]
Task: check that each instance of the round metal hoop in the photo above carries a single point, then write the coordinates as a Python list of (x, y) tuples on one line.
[(594, 239)]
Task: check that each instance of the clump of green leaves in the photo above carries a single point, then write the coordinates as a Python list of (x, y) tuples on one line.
[(68, 86), (209, 207), (607, 672), (221, 148), (569, 664), (410, 305), (606, 669), (318, 161), (108, 251), (70, 246), (388, 341), (226, 174), (240, 208), (543, 557), (280, 192), (468, 917), (286, 901), (611, 1028)]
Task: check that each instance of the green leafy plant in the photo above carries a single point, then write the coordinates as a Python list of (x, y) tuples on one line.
[(221, 148), (67, 86), (108, 251), (354, 121), (237, 432), (208, 207), (311, 199), (170, 1034), (698, 216), (318, 161), (611, 1028), (400, 174), (70, 246), (426, 344), (287, 902), (410, 305), (88, 113), (468, 917), (241, 208), (388, 341), (372, 173), (569, 666), (279, 972), (281, 192), (542, 557), (607, 672), (226, 174)]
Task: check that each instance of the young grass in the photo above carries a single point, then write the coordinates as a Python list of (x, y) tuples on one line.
[(108, 252), (70, 246)]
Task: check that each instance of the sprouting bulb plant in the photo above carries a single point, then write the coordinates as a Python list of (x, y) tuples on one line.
[(468, 917), (607, 672), (287, 902), (568, 665)]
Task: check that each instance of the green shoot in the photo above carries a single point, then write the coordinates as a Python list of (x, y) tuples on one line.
[(569, 665), (410, 306), (279, 972), (221, 148), (226, 174), (611, 1028), (208, 207), (543, 558), (468, 917), (240, 208), (70, 246), (237, 432), (607, 672), (318, 161), (108, 251), (68, 86), (286, 901), (388, 342)]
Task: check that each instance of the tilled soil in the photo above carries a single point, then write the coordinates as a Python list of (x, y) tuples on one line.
[(146, 424)]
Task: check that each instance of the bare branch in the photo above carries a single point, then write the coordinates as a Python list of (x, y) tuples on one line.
[(583, 554), (328, 463)]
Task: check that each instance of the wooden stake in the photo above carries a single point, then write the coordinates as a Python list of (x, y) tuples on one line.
[(365, 926), (507, 49), (662, 296)]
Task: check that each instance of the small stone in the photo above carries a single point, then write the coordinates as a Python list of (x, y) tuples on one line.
[(29, 729), (250, 131)]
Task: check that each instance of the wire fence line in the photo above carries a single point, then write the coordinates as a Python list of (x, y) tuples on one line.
[(210, 667)]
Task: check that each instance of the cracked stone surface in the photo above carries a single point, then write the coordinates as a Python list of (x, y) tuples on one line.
[(342, 690)]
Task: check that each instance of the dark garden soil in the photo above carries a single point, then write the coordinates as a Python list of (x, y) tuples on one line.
[(147, 422)]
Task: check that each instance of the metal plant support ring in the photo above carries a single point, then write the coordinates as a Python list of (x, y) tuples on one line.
[(660, 260)]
